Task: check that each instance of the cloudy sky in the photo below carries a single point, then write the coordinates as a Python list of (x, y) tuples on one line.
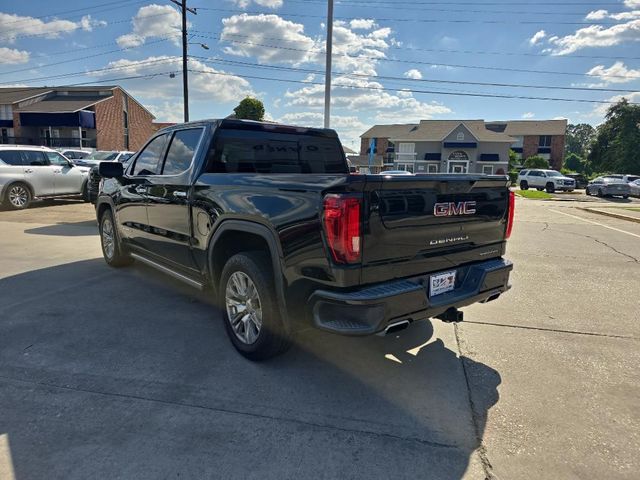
[(394, 61)]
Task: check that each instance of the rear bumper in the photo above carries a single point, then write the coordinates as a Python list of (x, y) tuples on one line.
[(372, 309)]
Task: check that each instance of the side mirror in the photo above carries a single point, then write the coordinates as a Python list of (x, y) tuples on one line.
[(111, 169)]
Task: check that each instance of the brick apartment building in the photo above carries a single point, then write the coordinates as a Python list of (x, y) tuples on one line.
[(460, 146), (104, 117)]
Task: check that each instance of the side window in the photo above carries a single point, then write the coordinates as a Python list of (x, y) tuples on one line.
[(533, 174), (148, 162), (56, 159), (524, 173), (181, 151), (34, 158), (10, 157)]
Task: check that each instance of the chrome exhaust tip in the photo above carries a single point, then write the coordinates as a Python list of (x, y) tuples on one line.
[(395, 327)]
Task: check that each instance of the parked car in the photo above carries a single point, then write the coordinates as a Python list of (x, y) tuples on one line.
[(580, 179), (104, 156), (625, 178), (269, 216), (395, 172), (93, 185), (28, 173), (549, 180), (634, 188), (608, 187), (73, 154)]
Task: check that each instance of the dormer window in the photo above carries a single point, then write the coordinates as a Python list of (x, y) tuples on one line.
[(460, 137)]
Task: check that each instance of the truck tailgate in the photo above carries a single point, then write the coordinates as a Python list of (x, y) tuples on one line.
[(419, 224)]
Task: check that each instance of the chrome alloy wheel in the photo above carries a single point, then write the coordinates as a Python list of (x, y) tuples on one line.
[(108, 239), (243, 307), (18, 196)]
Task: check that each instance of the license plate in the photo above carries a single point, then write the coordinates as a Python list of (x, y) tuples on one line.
[(442, 282)]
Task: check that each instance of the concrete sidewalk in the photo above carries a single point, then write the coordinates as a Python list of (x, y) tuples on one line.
[(623, 213)]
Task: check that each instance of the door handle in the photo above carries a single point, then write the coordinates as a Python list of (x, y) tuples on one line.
[(180, 194), (28, 170)]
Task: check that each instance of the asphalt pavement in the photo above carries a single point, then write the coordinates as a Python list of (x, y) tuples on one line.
[(108, 373)]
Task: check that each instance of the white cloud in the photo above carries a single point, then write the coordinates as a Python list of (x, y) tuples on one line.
[(362, 23), (601, 110), (413, 74), (152, 21), (167, 111), (204, 85), (597, 15), (442, 67), (632, 3), (596, 36), (248, 33), (537, 37), (10, 56), (528, 115), (261, 3), (616, 73), (347, 126), (363, 95), (13, 26)]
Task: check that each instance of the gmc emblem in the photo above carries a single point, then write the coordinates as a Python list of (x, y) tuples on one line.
[(450, 209)]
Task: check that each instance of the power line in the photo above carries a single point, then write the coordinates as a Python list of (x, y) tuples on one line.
[(409, 90), (418, 62), (410, 80), (418, 20)]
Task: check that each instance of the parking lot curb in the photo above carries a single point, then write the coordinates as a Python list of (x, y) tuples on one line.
[(611, 214)]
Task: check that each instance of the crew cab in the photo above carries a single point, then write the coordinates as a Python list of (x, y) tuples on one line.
[(270, 218), (549, 180)]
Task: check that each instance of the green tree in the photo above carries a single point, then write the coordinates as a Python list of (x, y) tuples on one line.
[(250, 109), (578, 139), (617, 143), (513, 160), (536, 162), (575, 163)]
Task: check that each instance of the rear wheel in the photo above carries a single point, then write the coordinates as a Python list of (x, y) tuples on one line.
[(251, 311), (625, 196), (18, 196), (550, 188), (586, 191), (524, 185), (112, 250)]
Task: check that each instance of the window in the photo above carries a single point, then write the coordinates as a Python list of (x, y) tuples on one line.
[(56, 159), (406, 167), (250, 151), (181, 151), (10, 157), (34, 158), (432, 168), (460, 137), (535, 173), (544, 141), (6, 113), (148, 161), (487, 169)]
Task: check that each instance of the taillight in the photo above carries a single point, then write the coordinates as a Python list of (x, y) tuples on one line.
[(342, 227), (512, 207)]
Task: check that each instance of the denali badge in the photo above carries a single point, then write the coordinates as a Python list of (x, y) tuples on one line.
[(449, 209), (444, 241)]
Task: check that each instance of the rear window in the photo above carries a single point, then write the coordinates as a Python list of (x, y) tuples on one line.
[(10, 157), (239, 151)]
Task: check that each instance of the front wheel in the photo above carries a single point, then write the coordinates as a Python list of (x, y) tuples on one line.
[(18, 196), (600, 193), (550, 188), (112, 251), (524, 186), (251, 311), (625, 196), (85, 192)]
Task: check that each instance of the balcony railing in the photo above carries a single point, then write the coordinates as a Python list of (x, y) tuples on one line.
[(56, 142), (406, 157)]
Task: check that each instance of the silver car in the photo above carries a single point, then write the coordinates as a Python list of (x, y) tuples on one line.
[(608, 187), (634, 188), (27, 173)]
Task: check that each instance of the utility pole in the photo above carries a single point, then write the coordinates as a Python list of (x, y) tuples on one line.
[(327, 72), (185, 80)]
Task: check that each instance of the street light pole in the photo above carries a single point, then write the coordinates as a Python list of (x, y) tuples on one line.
[(327, 73)]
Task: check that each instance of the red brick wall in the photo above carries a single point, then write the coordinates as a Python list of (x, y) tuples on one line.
[(557, 151), (16, 124), (381, 145), (530, 146), (110, 123)]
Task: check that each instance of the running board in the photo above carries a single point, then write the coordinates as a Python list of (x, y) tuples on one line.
[(169, 271)]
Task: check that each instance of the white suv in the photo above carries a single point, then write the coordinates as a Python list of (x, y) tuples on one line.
[(549, 180), (37, 172)]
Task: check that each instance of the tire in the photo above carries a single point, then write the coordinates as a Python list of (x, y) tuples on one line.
[(247, 281), (550, 188), (112, 250), (524, 185), (625, 196), (600, 194), (586, 191), (18, 196), (85, 192)]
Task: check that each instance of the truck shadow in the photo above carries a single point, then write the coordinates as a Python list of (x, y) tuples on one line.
[(135, 378), (74, 229)]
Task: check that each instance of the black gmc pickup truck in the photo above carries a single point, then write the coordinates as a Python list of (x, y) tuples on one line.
[(269, 217)]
